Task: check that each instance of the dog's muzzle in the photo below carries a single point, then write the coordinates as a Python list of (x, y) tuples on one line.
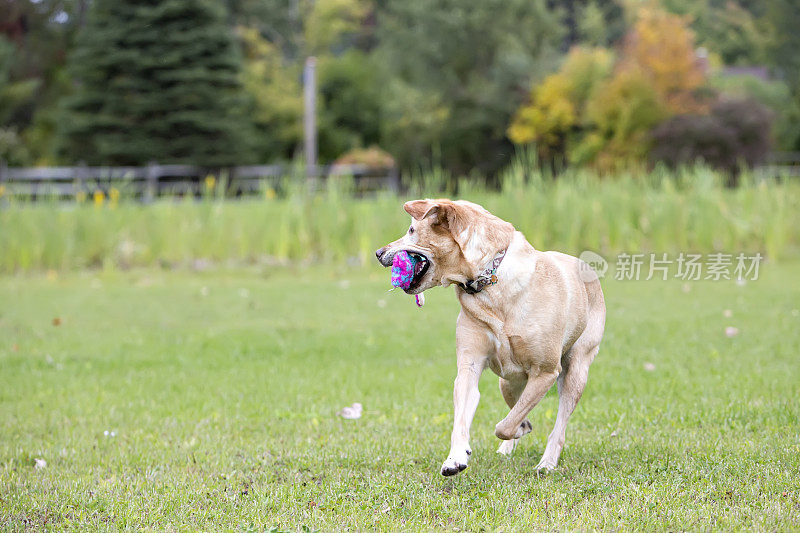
[(384, 258)]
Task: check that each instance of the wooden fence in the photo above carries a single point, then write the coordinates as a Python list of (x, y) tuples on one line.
[(148, 182), (780, 164), (154, 180)]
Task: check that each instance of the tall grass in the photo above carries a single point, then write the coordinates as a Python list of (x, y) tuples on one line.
[(659, 211)]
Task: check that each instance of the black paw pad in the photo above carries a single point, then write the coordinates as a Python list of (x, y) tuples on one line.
[(453, 470)]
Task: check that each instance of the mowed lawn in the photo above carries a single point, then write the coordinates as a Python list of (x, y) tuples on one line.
[(208, 400)]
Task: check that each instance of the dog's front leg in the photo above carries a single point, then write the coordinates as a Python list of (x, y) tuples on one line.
[(465, 402)]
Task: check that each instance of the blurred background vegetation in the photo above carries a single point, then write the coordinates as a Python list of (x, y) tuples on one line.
[(456, 85), (634, 117), (662, 211)]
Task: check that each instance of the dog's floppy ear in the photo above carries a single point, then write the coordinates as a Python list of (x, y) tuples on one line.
[(420, 209), (477, 232)]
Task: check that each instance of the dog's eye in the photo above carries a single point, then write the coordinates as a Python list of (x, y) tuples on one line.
[(411, 230)]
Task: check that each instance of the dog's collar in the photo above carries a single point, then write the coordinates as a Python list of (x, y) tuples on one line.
[(487, 275)]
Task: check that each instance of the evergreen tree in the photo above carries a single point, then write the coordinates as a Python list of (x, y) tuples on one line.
[(156, 80)]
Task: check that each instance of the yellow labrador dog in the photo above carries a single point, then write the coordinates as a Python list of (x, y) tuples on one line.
[(535, 318)]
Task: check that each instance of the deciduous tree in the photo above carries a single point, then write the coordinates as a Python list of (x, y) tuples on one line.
[(455, 72), (661, 47), (556, 106)]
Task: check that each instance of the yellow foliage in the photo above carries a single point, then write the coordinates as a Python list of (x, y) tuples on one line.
[(550, 114), (555, 105), (661, 45), (585, 67), (657, 75), (113, 197), (622, 112)]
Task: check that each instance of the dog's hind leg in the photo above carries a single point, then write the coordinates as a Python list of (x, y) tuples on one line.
[(511, 391), (571, 383)]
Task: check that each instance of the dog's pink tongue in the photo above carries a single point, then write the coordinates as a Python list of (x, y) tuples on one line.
[(420, 298)]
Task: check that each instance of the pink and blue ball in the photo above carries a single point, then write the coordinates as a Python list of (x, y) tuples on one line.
[(403, 269)]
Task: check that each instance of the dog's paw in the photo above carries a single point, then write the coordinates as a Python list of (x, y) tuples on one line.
[(507, 447), (545, 466), (503, 430), (451, 467)]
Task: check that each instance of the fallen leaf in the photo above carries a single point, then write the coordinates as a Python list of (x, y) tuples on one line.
[(56, 321), (351, 412)]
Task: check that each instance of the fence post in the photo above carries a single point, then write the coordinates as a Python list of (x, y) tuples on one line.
[(151, 182), (3, 178), (394, 180), (310, 119), (231, 182), (79, 174)]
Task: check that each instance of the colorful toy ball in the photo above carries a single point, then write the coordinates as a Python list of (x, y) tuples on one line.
[(402, 269)]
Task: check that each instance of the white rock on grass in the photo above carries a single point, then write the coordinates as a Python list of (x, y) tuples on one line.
[(351, 412)]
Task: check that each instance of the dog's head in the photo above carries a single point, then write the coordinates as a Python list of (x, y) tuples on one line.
[(451, 240)]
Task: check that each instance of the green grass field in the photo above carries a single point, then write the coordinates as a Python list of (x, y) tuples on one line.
[(221, 390)]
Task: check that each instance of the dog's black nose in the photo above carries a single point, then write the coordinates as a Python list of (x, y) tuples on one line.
[(379, 252)]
